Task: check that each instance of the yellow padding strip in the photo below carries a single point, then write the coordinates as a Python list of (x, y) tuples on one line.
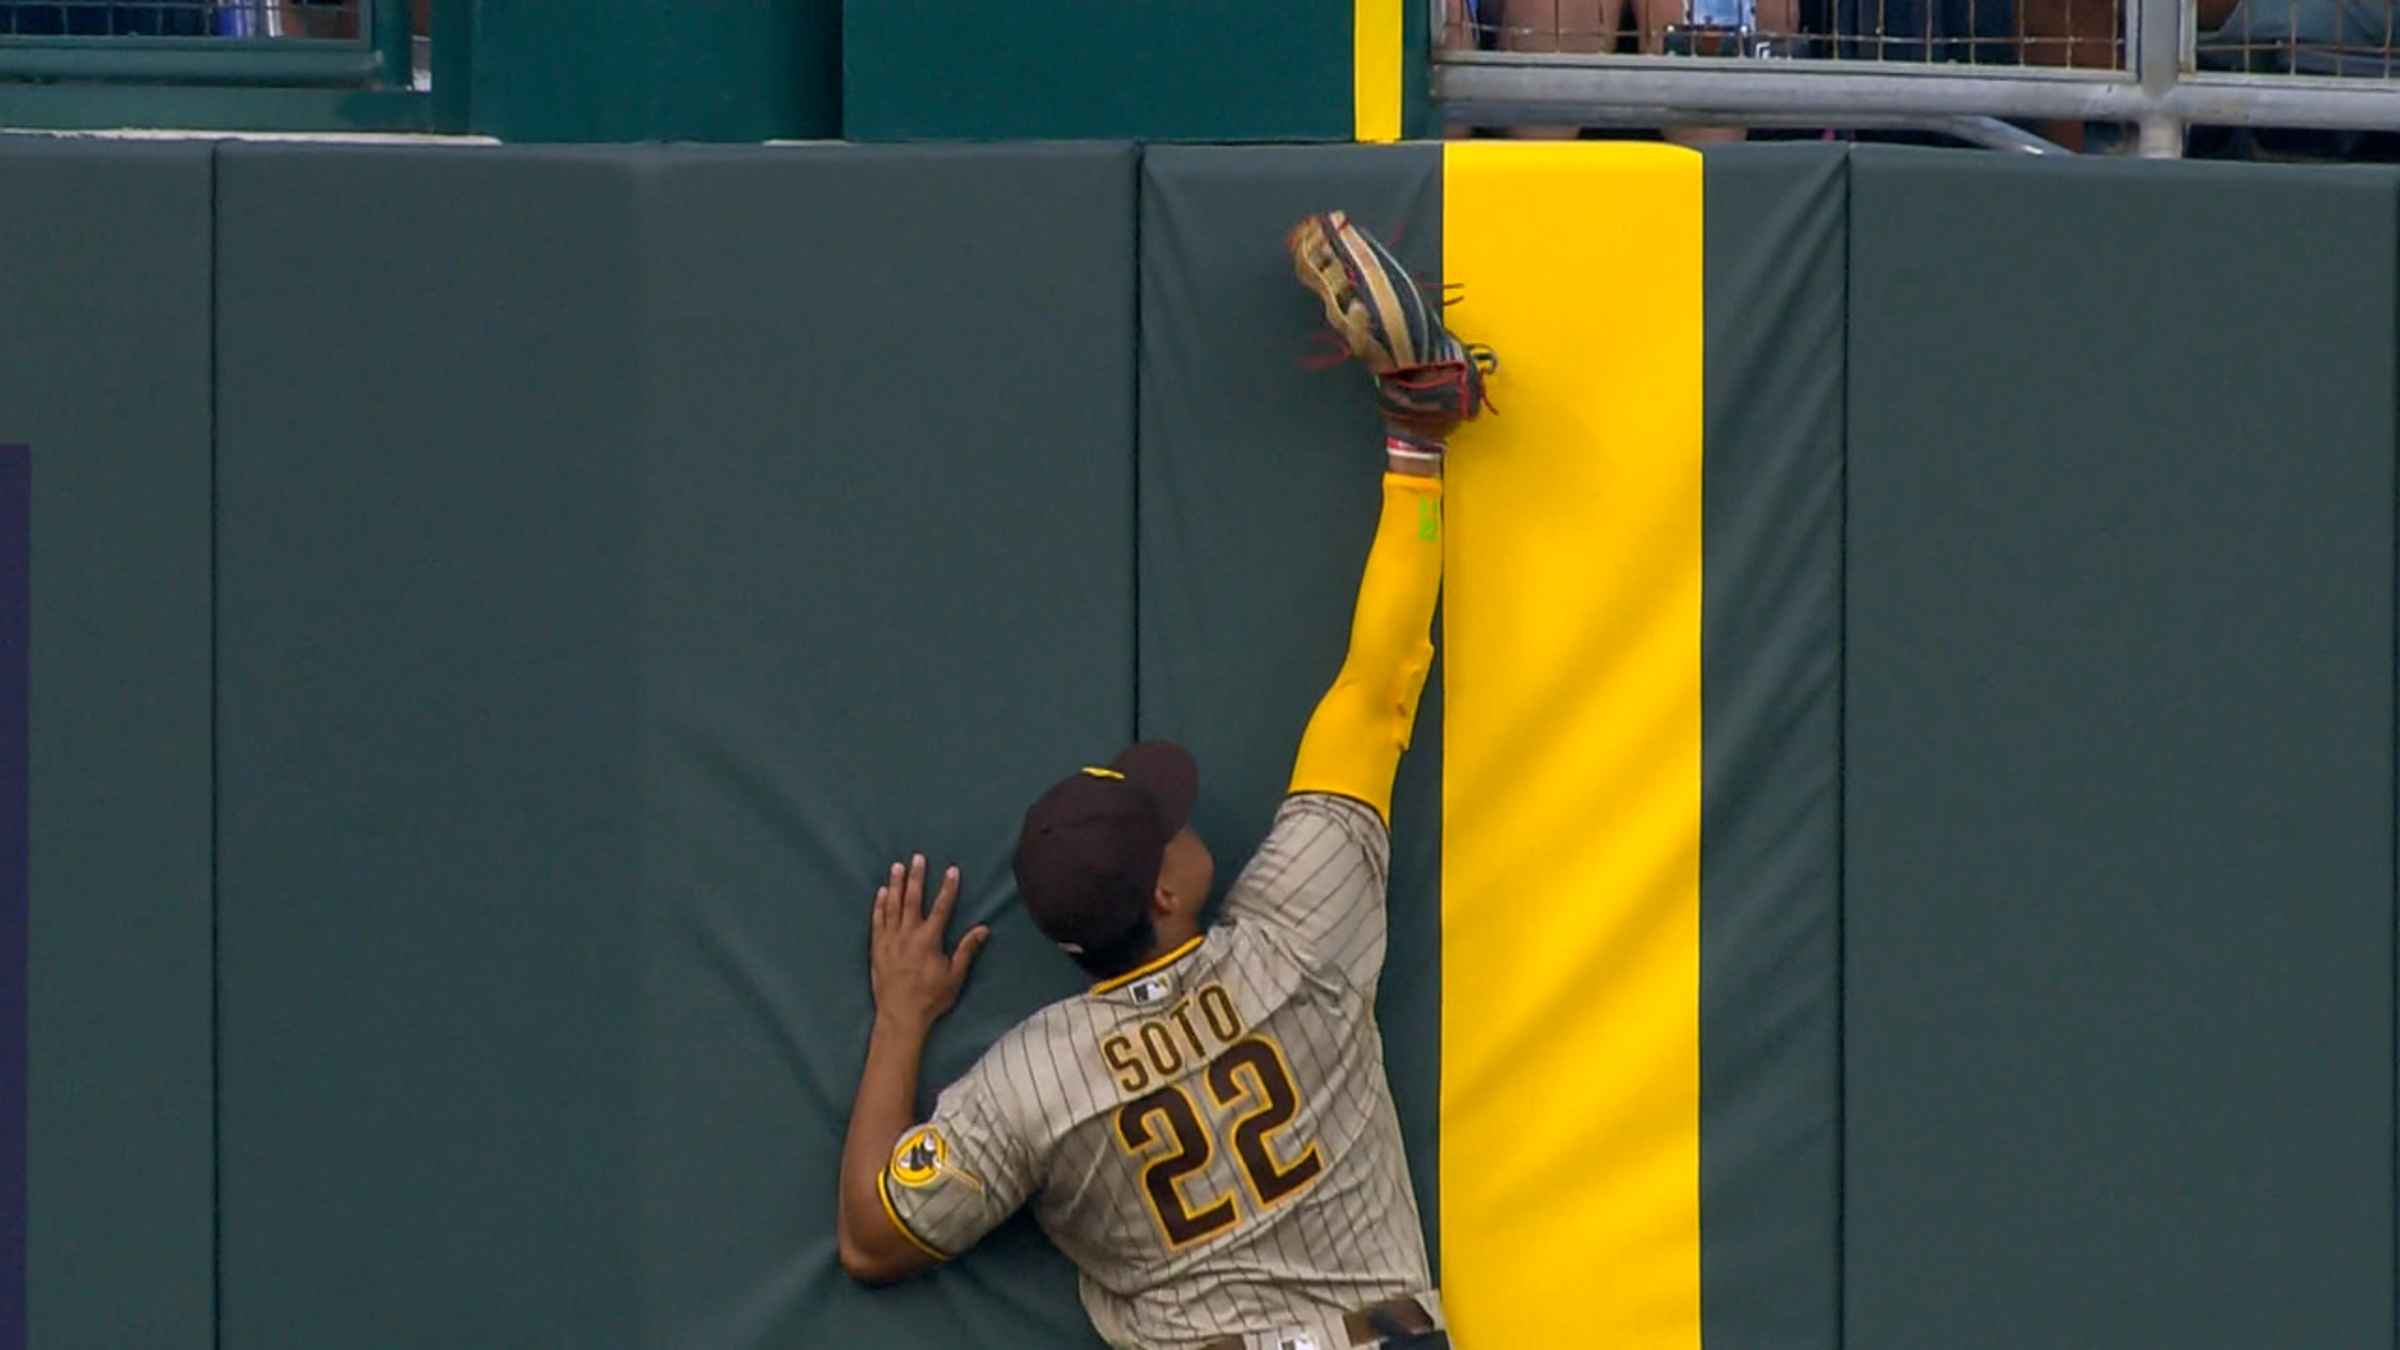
[(1570, 1099), (1375, 82)]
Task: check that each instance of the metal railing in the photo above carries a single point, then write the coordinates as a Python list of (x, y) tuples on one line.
[(1968, 68), (340, 43)]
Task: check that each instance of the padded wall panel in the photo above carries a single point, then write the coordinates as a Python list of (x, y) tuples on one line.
[(1770, 676), (574, 719), (104, 375), (16, 555), (888, 598), (433, 428), (2119, 820), (1258, 498)]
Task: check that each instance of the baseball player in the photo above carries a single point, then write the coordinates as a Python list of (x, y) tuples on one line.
[(1207, 1133)]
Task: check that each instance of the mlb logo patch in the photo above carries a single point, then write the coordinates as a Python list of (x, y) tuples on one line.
[(1152, 990)]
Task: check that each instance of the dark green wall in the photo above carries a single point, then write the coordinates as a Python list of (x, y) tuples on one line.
[(568, 716), (495, 608), (2118, 755), (429, 807), (1220, 70), (652, 70), (105, 368), (1773, 259), (888, 597)]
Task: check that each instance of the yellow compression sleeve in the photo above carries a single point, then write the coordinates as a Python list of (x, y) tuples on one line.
[(1354, 739)]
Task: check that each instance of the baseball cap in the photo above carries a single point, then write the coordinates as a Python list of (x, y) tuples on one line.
[(1088, 855)]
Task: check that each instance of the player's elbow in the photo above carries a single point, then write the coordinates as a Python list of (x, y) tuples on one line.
[(869, 1267)]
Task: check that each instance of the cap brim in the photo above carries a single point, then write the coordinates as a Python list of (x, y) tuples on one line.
[(1167, 772)]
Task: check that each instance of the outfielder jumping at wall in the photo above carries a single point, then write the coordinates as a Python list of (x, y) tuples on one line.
[(1207, 1132)]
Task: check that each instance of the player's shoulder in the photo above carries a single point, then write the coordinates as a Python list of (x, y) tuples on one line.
[(1311, 830), (1264, 959), (1348, 814), (1039, 1031), (1016, 1083)]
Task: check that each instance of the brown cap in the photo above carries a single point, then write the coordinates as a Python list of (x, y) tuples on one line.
[(1088, 856)]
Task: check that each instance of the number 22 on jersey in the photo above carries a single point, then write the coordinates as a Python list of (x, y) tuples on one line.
[(1250, 1084)]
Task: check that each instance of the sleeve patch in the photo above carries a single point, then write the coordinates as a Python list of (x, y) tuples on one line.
[(884, 1193), (918, 1159)]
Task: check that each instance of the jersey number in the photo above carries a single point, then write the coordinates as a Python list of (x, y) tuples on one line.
[(1250, 1082)]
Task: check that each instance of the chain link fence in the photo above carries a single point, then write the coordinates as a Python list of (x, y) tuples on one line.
[(252, 19), (2086, 34), (2019, 74)]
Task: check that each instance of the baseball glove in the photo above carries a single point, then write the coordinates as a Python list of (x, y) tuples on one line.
[(1426, 380)]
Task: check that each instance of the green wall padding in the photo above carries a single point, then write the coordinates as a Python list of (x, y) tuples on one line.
[(1259, 493), (104, 373), (1219, 70), (1776, 225), (766, 526), (433, 415), (888, 598), (2118, 755), (619, 554)]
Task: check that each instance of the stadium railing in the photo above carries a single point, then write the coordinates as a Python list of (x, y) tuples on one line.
[(349, 42), (267, 64), (1965, 68)]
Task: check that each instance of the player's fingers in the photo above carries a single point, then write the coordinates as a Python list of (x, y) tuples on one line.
[(968, 946), (912, 904), (944, 901), (878, 916), (889, 904)]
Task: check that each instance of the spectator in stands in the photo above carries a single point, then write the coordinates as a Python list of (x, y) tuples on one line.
[(2299, 37), (185, 18), (2085, 34), (2082, 34), (318, 18), (97, 18), (1974, 32), (1593, 26), (1469, 25)]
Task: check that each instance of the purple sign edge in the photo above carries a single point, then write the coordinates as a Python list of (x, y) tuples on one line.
[(16, 597)]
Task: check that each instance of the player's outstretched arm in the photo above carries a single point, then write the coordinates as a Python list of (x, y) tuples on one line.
[(1353, 742), (915, 982)]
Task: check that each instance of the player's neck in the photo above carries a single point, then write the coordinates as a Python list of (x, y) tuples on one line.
[(1172, 934)]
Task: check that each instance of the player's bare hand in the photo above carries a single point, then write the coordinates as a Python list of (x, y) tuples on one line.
[(915, 981)]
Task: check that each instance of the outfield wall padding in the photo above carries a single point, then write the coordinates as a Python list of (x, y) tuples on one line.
[(570, 731), (432, 822), (888, 596), (1254, 521), (105, 368), (499, 609), (1775, 257), (2118, 755)]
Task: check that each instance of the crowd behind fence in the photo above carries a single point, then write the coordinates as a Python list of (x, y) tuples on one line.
[(2022, 73), (156, 44), (2349, 39), (252, 19)]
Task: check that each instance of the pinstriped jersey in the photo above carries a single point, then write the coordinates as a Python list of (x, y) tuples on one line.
[(1210, 1138)]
